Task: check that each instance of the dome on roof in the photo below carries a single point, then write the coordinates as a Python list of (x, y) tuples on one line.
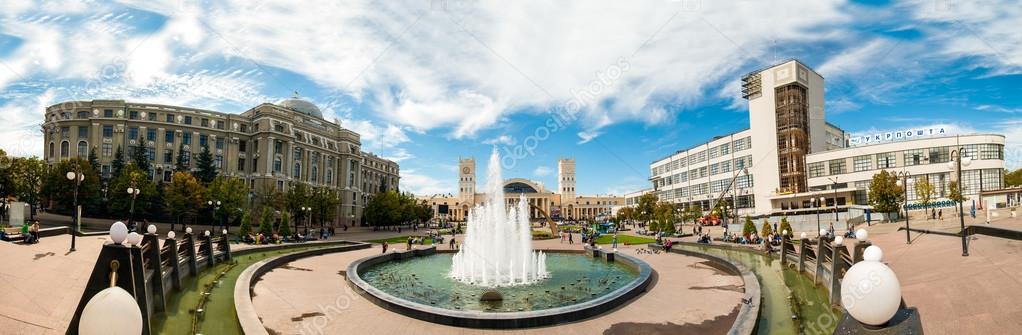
[(301, 106)]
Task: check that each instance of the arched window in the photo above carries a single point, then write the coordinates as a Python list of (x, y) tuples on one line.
[(315, 174), (51, 149), (277, 166), (297, 173), (65, 149), (83, 149), (329, 176)]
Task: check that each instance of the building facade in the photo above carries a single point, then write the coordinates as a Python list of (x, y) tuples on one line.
[(564, 204), (790, 156), (270, 146)]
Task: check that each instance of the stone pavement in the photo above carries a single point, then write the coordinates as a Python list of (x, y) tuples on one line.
[(312, 297)]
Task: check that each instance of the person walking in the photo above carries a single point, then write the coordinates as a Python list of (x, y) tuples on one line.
[(614, 242), (571, 239), (452, 243), (940, 214), (385, 245)]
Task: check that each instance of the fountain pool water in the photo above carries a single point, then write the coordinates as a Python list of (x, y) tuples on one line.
[(497, 250), (574, 279)]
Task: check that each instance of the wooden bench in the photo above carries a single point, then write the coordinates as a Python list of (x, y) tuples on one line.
[(13, 234)]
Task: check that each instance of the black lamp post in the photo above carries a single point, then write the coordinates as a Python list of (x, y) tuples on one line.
[(215, 204), (904, 185), (956, 165), (820, 203), (133, 191), (77, 178)]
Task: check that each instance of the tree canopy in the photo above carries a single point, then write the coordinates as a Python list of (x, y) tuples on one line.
[(205, 172), (184, 196), (58, 189), (884, 193)]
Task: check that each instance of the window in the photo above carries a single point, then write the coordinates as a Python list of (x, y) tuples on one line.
[(314, 174), (219, 124), (83, 115), (744, 181), (241, 164), (329, 176), (243, 128), (886, 160), (188, 120), (278, 127), (106, 171), (83, 149), (203, 140), (108, 150), (939, 155), (205, 122), (151, 116), (168, 136), (816, 170), (186, 158), (167, 176), (108, 131), (151, 153), (65, 149), (862, 163), (170, 118), (186, 138), (986, 151), (220, 143), (278, 147), (913, 157), (65, 132), (108, 113), (837, 166), (743, 143), (133, 115), (725, 149), (297, 171), (276, 164), (168, 156), (242, 146), (218, 161), (298, 154), (150, 134), (83, 131), (133, 133)]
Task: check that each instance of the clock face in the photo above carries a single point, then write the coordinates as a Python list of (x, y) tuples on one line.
[(465, 170)]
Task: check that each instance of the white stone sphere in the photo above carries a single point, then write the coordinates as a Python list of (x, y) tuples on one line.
[(151, 229), (206, 233), (224, 231), (171, 234), (134, 238), (112, 311), (838, 241), (870, 291), (784, 232), (188, 230), (873, 254), (823, 232), (804, 235), (861, 235), (118, 232)]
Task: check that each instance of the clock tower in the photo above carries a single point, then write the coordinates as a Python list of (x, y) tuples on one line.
[(467, 180)]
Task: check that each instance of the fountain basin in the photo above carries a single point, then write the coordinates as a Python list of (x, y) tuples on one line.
[(416, 298)]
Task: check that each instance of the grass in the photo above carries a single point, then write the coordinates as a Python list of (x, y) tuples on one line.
[(399, 240), (624, 239)]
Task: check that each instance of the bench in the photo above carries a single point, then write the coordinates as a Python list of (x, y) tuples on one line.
[(13, 234)]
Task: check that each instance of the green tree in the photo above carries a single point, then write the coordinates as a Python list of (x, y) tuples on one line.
[(6, 174), (117, 166), (120, 200), (954, 193), (1013, 178), (231, 193), (694, 213), (246, 225), (766, 229), (28, 175), (424, 211), (384, 209), (94, 160), (884, 193), (647, 206), (749, 228), (184, 197), (285, 225), (206, 172), (181, 159), (664, 218), (924, 192), (266, 222), (324, 203), (785, 226), (140, 156), (59, 191)]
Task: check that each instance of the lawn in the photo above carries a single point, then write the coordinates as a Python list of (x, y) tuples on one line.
[(399, 240), (624, 239)]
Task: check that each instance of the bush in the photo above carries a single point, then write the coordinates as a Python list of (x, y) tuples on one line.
[(285, 226), (765, 231), (246, 225), (266, 222), (749, 228), (541, 235), (786, 226)]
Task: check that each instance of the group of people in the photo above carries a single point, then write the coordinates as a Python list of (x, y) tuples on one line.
[(30, 232)]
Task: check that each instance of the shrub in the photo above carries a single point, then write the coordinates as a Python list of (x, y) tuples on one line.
[(749, 228)]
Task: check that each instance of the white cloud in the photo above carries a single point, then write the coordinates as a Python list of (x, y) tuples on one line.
[(376, 137), (542, 171), (417, 183), (586, 136), (986, 29), (502, 139), (22, 118)]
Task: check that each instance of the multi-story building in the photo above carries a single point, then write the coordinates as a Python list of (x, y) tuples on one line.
[(563, 204), (790, 156), (270, 146)]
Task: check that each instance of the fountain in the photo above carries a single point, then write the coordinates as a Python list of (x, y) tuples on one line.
[(497, 250)]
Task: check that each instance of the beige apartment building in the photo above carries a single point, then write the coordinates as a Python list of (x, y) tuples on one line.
[(270, 146)]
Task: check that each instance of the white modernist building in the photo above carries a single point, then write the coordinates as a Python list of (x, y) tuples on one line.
[(790, 156)]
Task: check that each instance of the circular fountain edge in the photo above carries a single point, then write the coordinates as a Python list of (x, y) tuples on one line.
[(508, 320)]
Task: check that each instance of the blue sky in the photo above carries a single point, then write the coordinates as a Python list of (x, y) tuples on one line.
[(427, 82)]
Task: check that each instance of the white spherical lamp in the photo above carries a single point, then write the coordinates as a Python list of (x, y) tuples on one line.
[(861, 235), (134, 238), (151, 229), (206, 233), (188, 230), (111, 311), (118, 232), (784, 232), (839, 241), (171, 234), (804, 235), (224, 231), (823, 232), (870, 291)]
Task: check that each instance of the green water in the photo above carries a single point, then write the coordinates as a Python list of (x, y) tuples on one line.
[(792, 304), (220, 315), (574, 278)]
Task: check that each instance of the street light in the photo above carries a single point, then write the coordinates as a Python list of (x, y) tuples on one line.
[(956, 166), (76, 177), (133, 192), (308, 218), (833, 186), (820, 203), (904, 185), (216, 206)]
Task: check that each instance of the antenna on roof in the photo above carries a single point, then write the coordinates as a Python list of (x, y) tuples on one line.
[(295, 94)]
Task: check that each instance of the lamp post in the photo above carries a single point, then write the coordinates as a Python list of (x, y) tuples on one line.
[(820, 203), (308, 216), (904, 185), (77, 177), (956, 165), (215, 204), (133, 191), (833, 186)]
